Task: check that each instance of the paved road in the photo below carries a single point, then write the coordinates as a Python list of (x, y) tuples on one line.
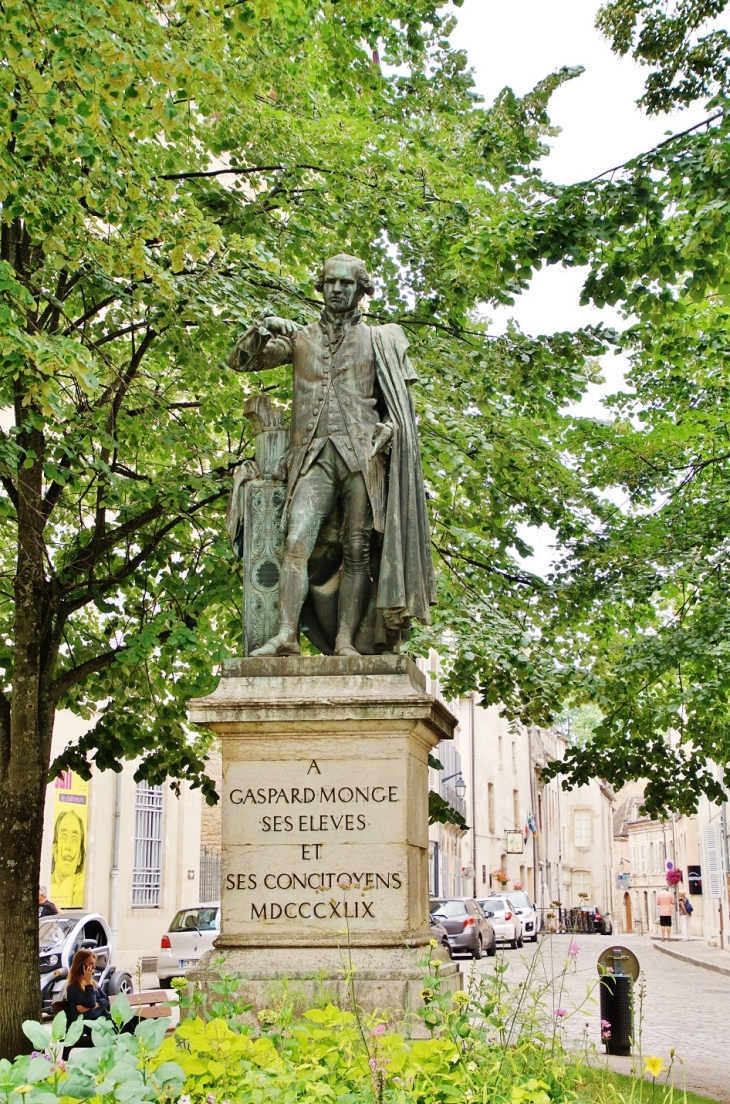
[(684, 1006)]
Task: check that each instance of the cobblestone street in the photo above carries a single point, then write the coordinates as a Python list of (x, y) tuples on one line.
[(684, 1006)]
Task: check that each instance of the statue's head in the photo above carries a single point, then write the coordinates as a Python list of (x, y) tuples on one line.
[(343, 282)]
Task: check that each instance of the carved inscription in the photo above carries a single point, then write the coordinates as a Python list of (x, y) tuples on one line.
[(315, 881)]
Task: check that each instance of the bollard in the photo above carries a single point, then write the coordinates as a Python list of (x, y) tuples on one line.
[(617, 1010), (619, 969)]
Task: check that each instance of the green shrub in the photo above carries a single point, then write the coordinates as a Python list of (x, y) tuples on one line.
[(495, 1044)]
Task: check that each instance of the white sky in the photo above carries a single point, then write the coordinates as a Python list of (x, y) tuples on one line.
[(517, 43)]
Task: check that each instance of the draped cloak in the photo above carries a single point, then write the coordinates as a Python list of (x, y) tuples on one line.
[(406, 583)]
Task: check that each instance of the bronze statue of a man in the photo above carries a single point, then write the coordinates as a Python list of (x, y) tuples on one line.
[(357, 566)]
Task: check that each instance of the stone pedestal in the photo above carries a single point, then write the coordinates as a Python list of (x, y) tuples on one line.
[(325, 825)]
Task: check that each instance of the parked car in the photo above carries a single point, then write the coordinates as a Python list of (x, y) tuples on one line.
[(60, 937), (468, 929), (526, 912), (440, 934), (601, 920), (189, 936), (506, 922)]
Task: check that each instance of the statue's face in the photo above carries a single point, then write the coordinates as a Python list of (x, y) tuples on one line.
[(341, 290)]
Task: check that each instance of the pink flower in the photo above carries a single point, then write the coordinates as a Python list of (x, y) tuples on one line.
[(560, 1012), (379, 1030), (573, 950)]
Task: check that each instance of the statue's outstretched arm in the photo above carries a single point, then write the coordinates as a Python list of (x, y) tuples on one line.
[(266, 344)]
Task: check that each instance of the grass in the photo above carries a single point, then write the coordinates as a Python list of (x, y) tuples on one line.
[(606, 1087)]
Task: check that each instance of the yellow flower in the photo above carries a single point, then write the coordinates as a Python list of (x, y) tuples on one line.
[(23, 1089), (433, 943), (654, 1065)]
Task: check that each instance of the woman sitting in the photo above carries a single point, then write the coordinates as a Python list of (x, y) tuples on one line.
[(83, 997)]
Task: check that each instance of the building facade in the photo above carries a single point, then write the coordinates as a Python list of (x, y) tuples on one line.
[(644, 851), (557, 845), (125, 849)]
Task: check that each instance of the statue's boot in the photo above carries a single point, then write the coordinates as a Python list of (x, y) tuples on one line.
[(285, 643), (354, 594)]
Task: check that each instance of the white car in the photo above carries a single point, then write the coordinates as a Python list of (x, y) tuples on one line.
[(526, 912), (503, 914), (189, 936)]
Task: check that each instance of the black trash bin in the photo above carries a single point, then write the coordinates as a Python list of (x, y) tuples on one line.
[(617, 1010)]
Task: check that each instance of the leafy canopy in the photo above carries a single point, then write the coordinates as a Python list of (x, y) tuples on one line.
[(166, 171), (637, 622)]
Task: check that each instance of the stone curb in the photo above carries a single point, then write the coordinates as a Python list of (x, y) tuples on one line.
[(715, 967)]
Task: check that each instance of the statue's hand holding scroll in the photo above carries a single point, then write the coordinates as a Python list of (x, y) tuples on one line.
[(382, 439)]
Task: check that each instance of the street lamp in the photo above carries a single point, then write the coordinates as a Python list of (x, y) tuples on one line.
[(459, 785)]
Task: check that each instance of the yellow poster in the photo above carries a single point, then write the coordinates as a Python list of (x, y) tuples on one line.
[(70, 824)]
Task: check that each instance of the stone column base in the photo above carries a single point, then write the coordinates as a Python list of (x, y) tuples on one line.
[(387, 980)]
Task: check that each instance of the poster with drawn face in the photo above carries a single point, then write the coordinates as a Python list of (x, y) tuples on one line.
[(68, 856)]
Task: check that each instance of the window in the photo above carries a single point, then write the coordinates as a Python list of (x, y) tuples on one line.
[(199, 920), (500, 751), (484, 875), (514, 756), (448, 908), (581, 885), (147, 870), (490, 807), (582, 827), (516, 809)]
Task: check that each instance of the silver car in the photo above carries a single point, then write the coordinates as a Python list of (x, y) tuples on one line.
[(189, 936)]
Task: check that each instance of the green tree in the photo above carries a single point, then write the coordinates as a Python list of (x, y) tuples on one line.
[(166, 172), (638, 620)]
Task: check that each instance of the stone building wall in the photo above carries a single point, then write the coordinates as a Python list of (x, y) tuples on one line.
[(210, 823)]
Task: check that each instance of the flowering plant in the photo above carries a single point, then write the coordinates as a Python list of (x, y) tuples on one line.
[(500, 875), (517, 885), (674, 876)]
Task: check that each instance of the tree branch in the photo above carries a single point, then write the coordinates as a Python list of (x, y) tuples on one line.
[(84, 562), (532, 581), (239, 172), (100, 586), (94, 310), (655, 149), (69, 678)]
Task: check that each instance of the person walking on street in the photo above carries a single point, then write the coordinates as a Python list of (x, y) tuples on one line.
[(45, 907), (685, 912), (665, 908)]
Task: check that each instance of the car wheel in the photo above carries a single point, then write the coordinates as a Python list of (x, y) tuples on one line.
[(520, 942), (513, 944), (477, 952), (492, 948), (534, 938), (121, 982)]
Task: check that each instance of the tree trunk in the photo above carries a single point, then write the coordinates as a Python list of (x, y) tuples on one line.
[(24, 758), (21, 832)]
